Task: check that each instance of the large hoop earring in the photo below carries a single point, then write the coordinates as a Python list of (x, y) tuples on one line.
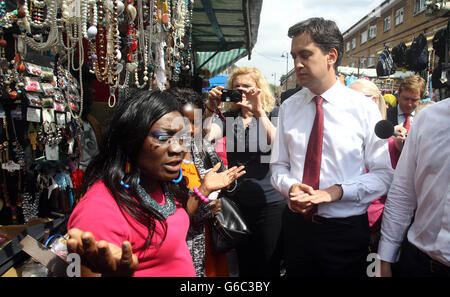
[(180, 177), (127, 186)]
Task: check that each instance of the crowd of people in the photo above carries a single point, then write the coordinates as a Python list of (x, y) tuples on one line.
[(317, 187)]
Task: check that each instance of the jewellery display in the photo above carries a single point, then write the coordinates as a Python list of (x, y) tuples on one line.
[(125, 44)]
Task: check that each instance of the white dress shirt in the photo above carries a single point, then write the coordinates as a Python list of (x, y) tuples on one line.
[(421, 182), (350, 147), (401, 116)]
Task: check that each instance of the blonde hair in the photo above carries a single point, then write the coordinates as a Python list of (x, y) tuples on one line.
[(267, 97), (414, 82), (369, 88), (422, 105)]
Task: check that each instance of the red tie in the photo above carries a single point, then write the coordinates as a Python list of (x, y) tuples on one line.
[(407, 122), (311, 169)]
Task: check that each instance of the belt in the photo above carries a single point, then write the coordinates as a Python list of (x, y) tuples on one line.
[(316, 219)]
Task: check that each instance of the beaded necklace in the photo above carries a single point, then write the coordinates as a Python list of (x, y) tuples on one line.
[(50, 21), (2, 8), (165, 210), (100, 62), (36, 15), (91, 36)]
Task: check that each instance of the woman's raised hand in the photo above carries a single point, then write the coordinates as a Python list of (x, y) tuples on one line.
[(214, 96), (216, 181), (251, 100)]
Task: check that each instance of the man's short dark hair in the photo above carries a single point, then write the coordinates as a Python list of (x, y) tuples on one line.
[(324, 33)]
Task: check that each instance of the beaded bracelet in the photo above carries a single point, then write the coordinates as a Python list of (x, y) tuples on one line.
[(200, 195)]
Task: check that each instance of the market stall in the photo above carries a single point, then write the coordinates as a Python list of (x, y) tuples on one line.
[(59, 58)]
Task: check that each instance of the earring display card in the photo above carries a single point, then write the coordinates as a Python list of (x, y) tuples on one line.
[(34, 114), (59, 107), (34, 99), (60, 119), (48, 115), (51, 152), (49, 89), (33, 69), (32, 84), (59, 97)]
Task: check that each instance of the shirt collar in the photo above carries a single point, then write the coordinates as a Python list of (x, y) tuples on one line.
[(331, 95), (400, 111)]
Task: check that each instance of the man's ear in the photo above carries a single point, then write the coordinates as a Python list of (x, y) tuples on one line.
[(332, 57)]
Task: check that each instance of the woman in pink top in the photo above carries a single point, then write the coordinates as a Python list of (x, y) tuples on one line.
[(136, 206)]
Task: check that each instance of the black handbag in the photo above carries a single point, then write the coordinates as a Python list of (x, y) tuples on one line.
[(228, 227)]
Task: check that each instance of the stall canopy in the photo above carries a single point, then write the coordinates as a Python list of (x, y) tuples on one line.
[(223, 31)]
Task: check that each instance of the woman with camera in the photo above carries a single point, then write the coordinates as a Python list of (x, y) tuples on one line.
[(249, 130)]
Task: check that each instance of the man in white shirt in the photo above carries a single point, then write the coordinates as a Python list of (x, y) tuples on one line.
[(421, 188), (326, 160)]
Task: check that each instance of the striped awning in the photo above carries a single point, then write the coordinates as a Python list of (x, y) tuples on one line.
[(223, 32), (212, 63)]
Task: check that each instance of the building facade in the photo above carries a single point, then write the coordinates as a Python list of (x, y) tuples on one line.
[(392, 22)]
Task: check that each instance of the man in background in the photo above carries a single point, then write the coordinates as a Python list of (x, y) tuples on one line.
[(410, 94)]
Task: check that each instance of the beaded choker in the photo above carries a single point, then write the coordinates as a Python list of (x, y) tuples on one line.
[(165, 210)]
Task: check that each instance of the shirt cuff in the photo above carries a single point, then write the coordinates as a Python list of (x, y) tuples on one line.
[(388, 252), (349, 191), (287, 184)]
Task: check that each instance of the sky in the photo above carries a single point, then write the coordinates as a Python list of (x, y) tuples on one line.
[(278, 15)]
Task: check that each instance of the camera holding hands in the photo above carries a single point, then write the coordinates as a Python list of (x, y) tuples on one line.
[(246, 98), (231, 96)]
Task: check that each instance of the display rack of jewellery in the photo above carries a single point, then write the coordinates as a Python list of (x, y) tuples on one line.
[(124, 43)]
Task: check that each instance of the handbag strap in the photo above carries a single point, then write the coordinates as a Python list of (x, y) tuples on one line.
[(208, 152)]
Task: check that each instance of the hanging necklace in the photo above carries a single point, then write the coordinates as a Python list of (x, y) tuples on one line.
[(36, 15), (50, 21), (91, 36), (100, 62), (165, 210)]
